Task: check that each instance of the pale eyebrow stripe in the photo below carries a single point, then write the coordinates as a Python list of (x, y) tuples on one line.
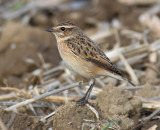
[(66, 26)]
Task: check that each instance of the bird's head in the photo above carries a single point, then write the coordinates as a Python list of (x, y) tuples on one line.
[(65, 30)]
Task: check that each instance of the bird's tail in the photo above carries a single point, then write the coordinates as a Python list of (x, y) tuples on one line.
[(129, 82), (120, 76)]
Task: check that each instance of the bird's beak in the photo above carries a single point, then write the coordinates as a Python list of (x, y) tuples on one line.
[(50, 30)]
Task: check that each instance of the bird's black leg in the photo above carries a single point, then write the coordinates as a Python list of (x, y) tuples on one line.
[(84, 100)]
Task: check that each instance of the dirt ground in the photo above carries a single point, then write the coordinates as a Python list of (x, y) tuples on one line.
[(26, 46), (110, 107)]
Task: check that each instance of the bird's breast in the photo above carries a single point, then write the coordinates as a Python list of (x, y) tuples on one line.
[(76, 63)]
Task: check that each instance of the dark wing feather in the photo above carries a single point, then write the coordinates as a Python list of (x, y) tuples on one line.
[(85, 48)]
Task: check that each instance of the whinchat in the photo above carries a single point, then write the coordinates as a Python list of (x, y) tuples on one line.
[(83, 56)]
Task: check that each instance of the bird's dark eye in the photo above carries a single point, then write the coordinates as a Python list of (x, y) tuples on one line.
[(63, 28)]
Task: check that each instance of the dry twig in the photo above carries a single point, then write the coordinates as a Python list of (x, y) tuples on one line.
[(7, 97), (129, 69), (16, 90), (150, 116), (2, 126), (138, 2), (58, 99), (150, 19), (128, 51), (46, 117), (14, 107), (93, 110)]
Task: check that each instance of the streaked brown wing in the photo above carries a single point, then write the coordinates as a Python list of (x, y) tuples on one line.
[(86, 49)]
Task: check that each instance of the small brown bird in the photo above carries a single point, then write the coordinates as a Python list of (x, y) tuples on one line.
[(83, 56)]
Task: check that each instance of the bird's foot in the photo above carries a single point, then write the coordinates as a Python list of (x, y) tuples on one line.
[(83, 101)]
